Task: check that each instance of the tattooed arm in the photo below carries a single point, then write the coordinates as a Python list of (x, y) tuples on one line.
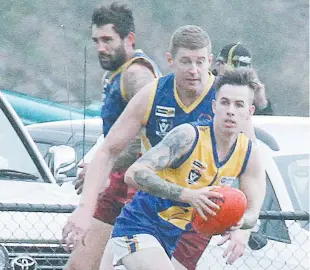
[(128, 156), (121, 134), (136, 76), (142, 174)]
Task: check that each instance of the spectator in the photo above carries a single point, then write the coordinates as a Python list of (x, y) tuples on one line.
[(236, 55)]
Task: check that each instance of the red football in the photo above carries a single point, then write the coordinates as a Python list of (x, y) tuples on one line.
[(232, 207)]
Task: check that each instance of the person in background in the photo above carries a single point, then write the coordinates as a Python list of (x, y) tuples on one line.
[(236, 55)]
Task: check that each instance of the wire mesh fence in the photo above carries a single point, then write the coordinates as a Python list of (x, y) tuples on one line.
[(32, 233), (279, 241), (30, 236)]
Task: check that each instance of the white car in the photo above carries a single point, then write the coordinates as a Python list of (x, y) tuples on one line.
[(85, 136), (26, 179), (287, 190), (281, 244), (79, 134)]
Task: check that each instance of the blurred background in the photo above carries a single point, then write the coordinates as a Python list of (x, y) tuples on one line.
[(42, 44)]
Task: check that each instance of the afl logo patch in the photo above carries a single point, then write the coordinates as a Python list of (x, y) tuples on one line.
[(163, 127), (193, 176)]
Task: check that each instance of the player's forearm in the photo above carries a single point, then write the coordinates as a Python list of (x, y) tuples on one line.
[(128, 156), (247, 234), (147, 180), (96, 179), (249, 220)]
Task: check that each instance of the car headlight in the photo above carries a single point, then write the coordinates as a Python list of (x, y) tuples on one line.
[(4, 258)]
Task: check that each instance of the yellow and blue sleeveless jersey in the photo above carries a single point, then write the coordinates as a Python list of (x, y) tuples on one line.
[(115, 96), (166, 219), (166, 110)]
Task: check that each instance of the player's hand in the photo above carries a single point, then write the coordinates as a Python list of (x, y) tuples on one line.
[(238, 241), (237, 226), (76, 228), (201, 200), (80, 179), (260, 99)]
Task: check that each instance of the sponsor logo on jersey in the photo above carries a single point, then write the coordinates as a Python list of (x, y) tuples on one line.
[(227, 180), (164, 111), (204, 117), (199, 165)]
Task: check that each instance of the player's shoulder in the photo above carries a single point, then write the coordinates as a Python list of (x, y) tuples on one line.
[(183, 131), (258, 153), (202, 124), (165, 85), (138, 75), (135, 78), (139, 67), (183, 137), (186, 127), (255, 160)]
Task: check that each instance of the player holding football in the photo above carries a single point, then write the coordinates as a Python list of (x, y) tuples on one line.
[(178, 98), (177, 174)]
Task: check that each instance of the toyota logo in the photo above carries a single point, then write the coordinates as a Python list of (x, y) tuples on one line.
[(24, 263)]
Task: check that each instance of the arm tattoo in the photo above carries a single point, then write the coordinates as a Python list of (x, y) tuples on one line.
[(128, 156), (157, 186), (173, 147), (134, 80)]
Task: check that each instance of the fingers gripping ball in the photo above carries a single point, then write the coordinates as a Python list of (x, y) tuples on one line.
[(232, 207)]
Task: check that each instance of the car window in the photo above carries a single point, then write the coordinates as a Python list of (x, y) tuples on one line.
[(43, 148), (14, 156), (80, 149), (295, 172), (273, 229), (79, 155)]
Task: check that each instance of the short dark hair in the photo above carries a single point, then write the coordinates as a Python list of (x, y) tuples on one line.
[(190, 37), (118, 15), (242, 76)]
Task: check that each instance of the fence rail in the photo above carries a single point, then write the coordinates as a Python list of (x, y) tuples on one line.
[(36, 208), (280, 241), (57, 208), (284, 215)]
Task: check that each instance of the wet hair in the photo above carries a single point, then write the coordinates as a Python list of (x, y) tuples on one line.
[(190, 37), (117, 14)]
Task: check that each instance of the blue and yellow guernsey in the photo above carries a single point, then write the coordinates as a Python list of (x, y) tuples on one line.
[(114, 91), (166, 110), (166, 219)]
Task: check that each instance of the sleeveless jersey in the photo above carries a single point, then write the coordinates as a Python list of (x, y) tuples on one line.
[(166, 110), (166, 219), (115, 96)]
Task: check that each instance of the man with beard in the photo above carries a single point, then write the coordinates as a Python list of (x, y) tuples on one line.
[(128, 70), (180, 97)]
